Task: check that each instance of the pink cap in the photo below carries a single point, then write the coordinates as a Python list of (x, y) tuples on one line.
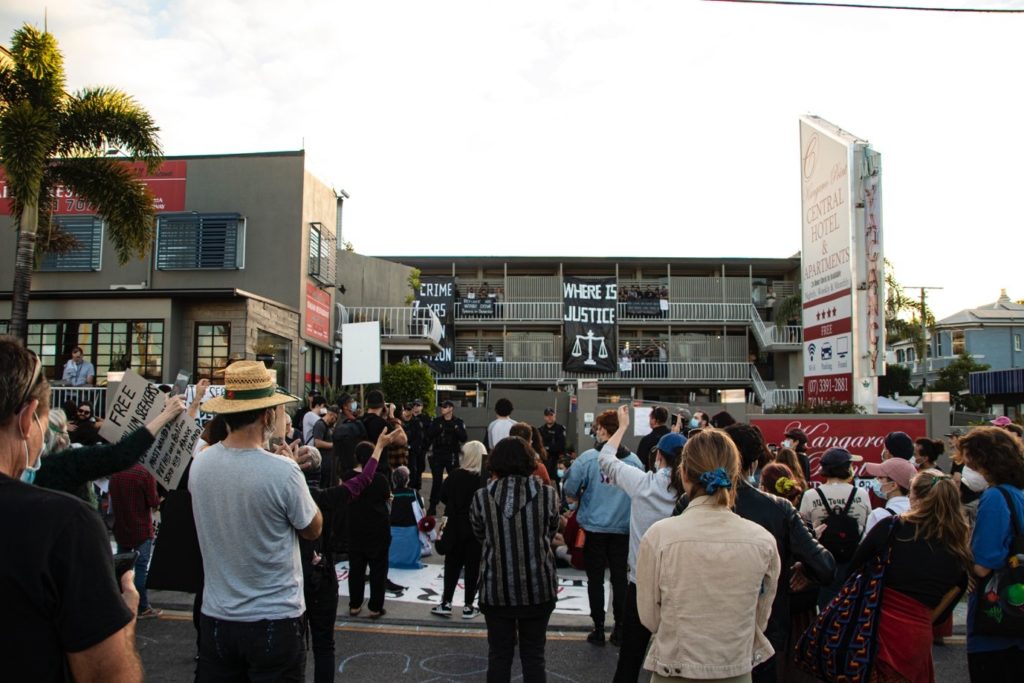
[(899, 470), (1001, 421)]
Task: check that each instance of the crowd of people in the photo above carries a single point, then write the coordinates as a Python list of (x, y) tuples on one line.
[(727, 562)]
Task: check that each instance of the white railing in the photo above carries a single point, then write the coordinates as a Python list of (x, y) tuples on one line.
[(786, 397), (770, 335), (96, 396), (526, 311), (395, 322), (918, 367), (532, 371), (759, 387)]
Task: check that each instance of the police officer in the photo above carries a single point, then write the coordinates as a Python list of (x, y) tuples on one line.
[(553, 435), (415, 432), (446, 435)]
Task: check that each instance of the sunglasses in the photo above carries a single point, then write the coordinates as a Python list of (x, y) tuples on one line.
[(36, 374)]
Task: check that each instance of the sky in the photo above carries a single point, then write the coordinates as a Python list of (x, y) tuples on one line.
[(603, 128)]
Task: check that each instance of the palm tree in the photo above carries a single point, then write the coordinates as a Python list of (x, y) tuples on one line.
[(49, 138)]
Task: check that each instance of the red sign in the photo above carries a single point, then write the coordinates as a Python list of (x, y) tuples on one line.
[(318, 314), (864, 436), (829, 388), (167, 184)]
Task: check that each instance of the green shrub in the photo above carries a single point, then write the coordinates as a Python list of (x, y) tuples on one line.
[(403, 382)]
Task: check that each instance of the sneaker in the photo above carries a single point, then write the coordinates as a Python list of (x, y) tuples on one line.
[(443, 610), (596, 637), (150, 613), (390, 585), (616, 636), (468, 612)]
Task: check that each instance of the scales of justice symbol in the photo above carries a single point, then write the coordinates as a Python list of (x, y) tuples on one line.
[(577, 348)]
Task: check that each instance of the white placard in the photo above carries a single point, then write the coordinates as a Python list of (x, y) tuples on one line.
[(360, 355), (642, 420)]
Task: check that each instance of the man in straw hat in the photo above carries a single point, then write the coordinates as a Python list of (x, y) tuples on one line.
[(248, 504)]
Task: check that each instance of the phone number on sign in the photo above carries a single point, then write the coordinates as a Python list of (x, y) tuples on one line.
[(828, 385)]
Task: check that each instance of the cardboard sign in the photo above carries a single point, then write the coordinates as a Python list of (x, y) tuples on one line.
[(135, 404)]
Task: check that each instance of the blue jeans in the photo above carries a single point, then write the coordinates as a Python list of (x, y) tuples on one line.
[(145, 551)]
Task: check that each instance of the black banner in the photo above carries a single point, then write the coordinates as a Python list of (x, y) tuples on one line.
[(477, 308), (588, 324), (438, 294), (645, 308)]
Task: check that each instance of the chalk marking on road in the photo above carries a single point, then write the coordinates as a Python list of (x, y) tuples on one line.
[(408, 659)]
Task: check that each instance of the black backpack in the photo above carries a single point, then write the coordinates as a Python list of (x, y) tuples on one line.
[(842, 534)]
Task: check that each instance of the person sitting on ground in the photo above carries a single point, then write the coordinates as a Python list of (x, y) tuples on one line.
[(84, 426), (405, 551)]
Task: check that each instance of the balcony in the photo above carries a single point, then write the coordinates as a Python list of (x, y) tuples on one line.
[(772, 337), (522, 372), (401, 328), (512, 312)]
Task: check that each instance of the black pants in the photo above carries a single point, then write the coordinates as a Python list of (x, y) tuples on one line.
[(995, 667), (440, 465), (464, 555), (417, 465), (268, 650), (635, 639), (358, 560), (504, 625), (321, 613), (600, 552)]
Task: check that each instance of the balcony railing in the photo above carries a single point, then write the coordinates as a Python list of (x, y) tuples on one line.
[(96, 396), (515, 311), (547, 371), (551, 311), (771, 336), (395, 322)]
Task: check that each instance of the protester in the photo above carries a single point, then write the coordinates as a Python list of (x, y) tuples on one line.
[(405, 551), (499, 427), (927, 453), (925, 578), (998, 456), (652, 496), (891, 483), (84, 426), (318, 408), (515, 518), (838, 511), (134, 497), (603, 514), (647, 450), (531, 435), (462, 551), (64, 617), (348, 431), (446, 435), (797, 440), (57, 437), (898, 445), (553, 436), (789, 458), (369, 537), (722, 419), (248, 504), (706, 579)]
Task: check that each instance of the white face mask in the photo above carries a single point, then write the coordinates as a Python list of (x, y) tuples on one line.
[(973, 480), (787, 444)]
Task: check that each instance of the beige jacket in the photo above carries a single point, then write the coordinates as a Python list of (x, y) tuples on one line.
[(705, 585)]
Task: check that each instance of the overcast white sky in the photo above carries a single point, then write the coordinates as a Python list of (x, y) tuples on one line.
[(634, 127)]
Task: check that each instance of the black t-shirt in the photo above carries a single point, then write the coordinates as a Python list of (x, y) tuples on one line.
[(368, 517), (374, 424), (924, 570), (57, 587)]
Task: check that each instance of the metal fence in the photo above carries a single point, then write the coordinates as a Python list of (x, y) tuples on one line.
[(394, 321), (96, 396), (537, 371)]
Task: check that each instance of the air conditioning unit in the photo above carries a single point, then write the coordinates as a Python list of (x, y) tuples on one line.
[(141, 285)]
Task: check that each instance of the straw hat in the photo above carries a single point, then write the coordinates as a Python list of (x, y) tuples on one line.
[(247, 386)]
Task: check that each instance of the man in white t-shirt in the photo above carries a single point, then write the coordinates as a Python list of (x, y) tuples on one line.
[(78, 372), (317, 409), (891, 482), (502, 424), (248, 505)]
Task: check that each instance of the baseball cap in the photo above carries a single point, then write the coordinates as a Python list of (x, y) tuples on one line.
[(447, 404), (549, 411), (1001, 421), (671, 442), (899, 470), (797, 433), (838, 456), (416, 402), (899, 445)]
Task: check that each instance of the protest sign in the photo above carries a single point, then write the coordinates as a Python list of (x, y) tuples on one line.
[(588, 319), (438, 294), (170, 454)]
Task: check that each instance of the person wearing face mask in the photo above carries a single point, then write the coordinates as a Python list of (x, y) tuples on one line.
[(796, 439), (65, 617), (248, 505), (927, 453), (971, 483), (891, 483)]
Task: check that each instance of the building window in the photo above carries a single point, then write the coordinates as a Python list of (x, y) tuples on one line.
[(900, 356), (148, 348), (88, 255), (1016, 342), (212, 349), (911, 355), (191, 241), (959, 343), (321, 254), (276, 353), (107, 344)]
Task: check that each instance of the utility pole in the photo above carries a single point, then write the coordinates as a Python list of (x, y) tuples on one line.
[(924, 332)]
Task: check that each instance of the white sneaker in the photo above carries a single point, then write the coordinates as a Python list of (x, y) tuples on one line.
[(468, 612), (442, 610)]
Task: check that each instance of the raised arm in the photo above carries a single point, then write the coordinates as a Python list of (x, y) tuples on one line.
[(628, 478), (201, 387)]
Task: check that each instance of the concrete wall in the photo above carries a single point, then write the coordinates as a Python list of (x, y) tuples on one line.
[(370, 281)]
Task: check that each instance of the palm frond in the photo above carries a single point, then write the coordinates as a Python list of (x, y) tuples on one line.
[(119, 197), (27, 135), (10, 90), (39, 66), (100, 117)]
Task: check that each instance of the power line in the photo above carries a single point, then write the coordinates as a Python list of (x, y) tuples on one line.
[(853, 5)]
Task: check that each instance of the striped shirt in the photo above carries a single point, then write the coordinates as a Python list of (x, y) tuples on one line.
[(515, 518)]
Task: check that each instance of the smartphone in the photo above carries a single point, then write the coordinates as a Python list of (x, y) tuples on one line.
[(123, 562), (180, 383)]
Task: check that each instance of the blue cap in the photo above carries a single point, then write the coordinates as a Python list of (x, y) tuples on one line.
[(671, 443)]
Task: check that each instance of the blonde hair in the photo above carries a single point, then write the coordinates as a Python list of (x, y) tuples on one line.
[(707, 451), (58, 438), (936, 512), (473, 453)]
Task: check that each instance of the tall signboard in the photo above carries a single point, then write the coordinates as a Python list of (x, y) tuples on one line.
[(843, 344)]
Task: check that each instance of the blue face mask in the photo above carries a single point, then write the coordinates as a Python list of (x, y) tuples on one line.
[(571, 506), (561, 473), (876, 488), (29, 475), (694, 423)]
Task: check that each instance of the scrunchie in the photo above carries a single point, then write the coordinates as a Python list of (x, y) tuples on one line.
[(784, 485), (715, 479)]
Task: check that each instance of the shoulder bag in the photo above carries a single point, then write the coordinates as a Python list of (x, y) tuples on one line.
[(1000, 607)]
